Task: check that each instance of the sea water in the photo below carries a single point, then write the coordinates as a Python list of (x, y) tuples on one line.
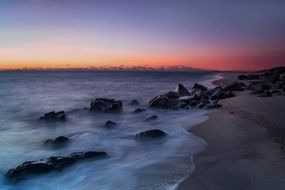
[(131, 164)]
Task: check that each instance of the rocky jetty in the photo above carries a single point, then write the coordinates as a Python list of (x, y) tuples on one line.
[(54, 163), (106, 105), (54, 116)]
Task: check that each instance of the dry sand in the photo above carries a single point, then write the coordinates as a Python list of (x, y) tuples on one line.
[(241, 155)]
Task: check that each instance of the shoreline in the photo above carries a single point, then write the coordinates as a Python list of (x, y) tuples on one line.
[(240, 153)]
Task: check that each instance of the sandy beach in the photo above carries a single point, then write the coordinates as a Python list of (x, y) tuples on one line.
[(242, 152)]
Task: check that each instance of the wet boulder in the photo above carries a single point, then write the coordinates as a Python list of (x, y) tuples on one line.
[(155, 133), (134, 102), (182, 90), (165, 102), (256, 92), (151, 117), (106, 105), (199, 87), (57, 142), (110, 124), (54, 116), (43, 166)]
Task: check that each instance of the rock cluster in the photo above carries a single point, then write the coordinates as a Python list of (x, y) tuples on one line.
[(270, 82), (50, 164), (199, 96), (106, 105), (54, 116)]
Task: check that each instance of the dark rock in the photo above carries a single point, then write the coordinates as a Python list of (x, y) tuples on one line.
[(218, 94), (214, 106), (164, 102), (54, 116), (228, 94), (282, 77), (261, 86), (155, 133), (182, 90), (235, 86), (199, 87), (106, 105), (50, 164), (266, 93), (58, 142), (194, 103), (151, 117), (248, 77), (256, 92), (277, 85), (109, 124), (172, 95), (134, 102), (275, 92), (138, 110)]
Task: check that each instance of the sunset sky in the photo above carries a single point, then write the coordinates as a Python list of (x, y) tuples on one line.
[(207, 34)]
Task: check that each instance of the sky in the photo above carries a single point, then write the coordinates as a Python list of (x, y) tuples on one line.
[(206, 34)]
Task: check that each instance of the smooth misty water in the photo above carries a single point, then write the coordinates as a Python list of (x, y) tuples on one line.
[(156, 164)]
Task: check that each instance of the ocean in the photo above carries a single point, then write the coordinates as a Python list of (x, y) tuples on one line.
[(131, 164)]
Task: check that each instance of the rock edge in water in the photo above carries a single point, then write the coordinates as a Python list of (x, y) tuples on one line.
[(54, 163)]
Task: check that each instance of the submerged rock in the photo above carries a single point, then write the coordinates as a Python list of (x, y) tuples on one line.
[(50, 164), (58, 142), (109, 124), (54, 116), (138, 110), (182, 90), (106, 105), (155, 133), (134, 102), (214, 106), (151, 117)]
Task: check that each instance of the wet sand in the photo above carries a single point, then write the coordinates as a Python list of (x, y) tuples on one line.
[(242, 151)]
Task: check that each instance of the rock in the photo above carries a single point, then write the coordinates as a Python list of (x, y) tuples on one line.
[(261, 86), (213, 106), (228, 94), (134, 102), (151, 117), (106, 105), (248, 77), (275, 92), (54, 116), (155, 133), (277, 85), (56, 143), (158, 101), (194, 103), (50, 164), (235, 86), (172, 95), (218, 94), (182, 90), (256, 92), (199, 87), (164, 102), (266, 93), (138, 110), (282, 77), (109, 124)]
